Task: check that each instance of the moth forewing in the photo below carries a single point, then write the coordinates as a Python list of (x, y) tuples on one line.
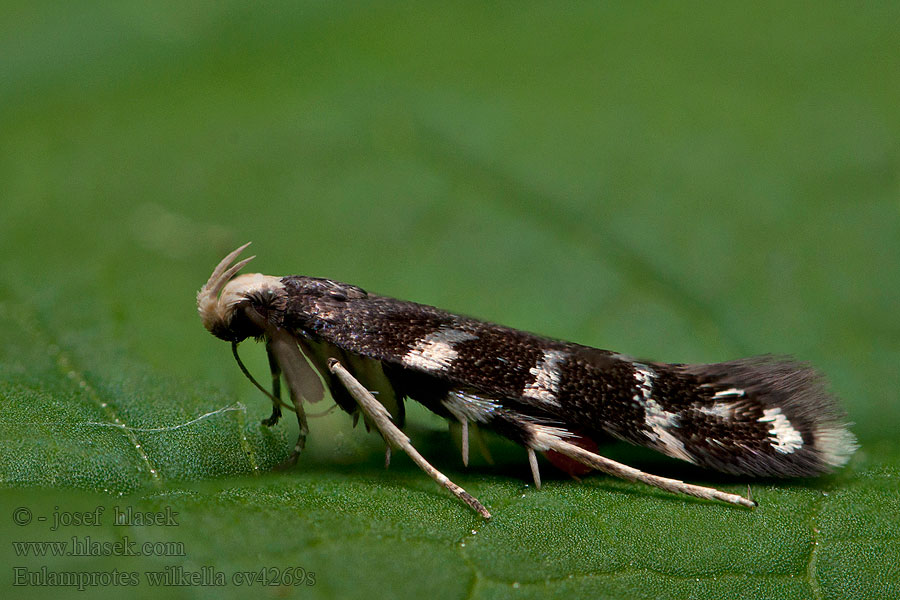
[(764, 416)]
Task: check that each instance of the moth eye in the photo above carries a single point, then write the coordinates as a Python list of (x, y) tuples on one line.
[(338, 295)]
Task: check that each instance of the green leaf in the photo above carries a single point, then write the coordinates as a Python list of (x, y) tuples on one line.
[(688, 184)]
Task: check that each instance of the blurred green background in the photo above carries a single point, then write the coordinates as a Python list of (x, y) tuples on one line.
[(684, 182)]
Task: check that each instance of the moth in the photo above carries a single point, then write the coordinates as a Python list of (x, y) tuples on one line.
[(765, 416)]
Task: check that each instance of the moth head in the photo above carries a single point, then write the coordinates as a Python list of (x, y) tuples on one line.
[(235, 309)]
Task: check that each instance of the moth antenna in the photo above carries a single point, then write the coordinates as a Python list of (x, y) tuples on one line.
[(217, 280), (535, 470), (223, 264), (227, 275), (208, 296)]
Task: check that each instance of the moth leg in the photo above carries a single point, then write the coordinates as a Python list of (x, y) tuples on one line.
[(535, 471), (464, 432), (462, 427), (381, 418), (275, 400), (303, 383), (544, 441), (465, 441), (276, 389), (482, 447), (387, 455), (301, 439)]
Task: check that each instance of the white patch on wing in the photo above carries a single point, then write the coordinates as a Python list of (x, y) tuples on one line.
[(721, 410), (725, 411), (545, 385), (644, 376), (469, 407), (787, 438), (727, 393), (661, 423), (435, 351)]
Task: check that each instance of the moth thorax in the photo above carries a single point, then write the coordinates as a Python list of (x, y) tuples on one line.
[(224, 317)]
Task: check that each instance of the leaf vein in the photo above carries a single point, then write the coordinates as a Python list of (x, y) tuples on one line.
[(67, 367)]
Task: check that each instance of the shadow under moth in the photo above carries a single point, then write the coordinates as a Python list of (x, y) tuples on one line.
[(764, 416)]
